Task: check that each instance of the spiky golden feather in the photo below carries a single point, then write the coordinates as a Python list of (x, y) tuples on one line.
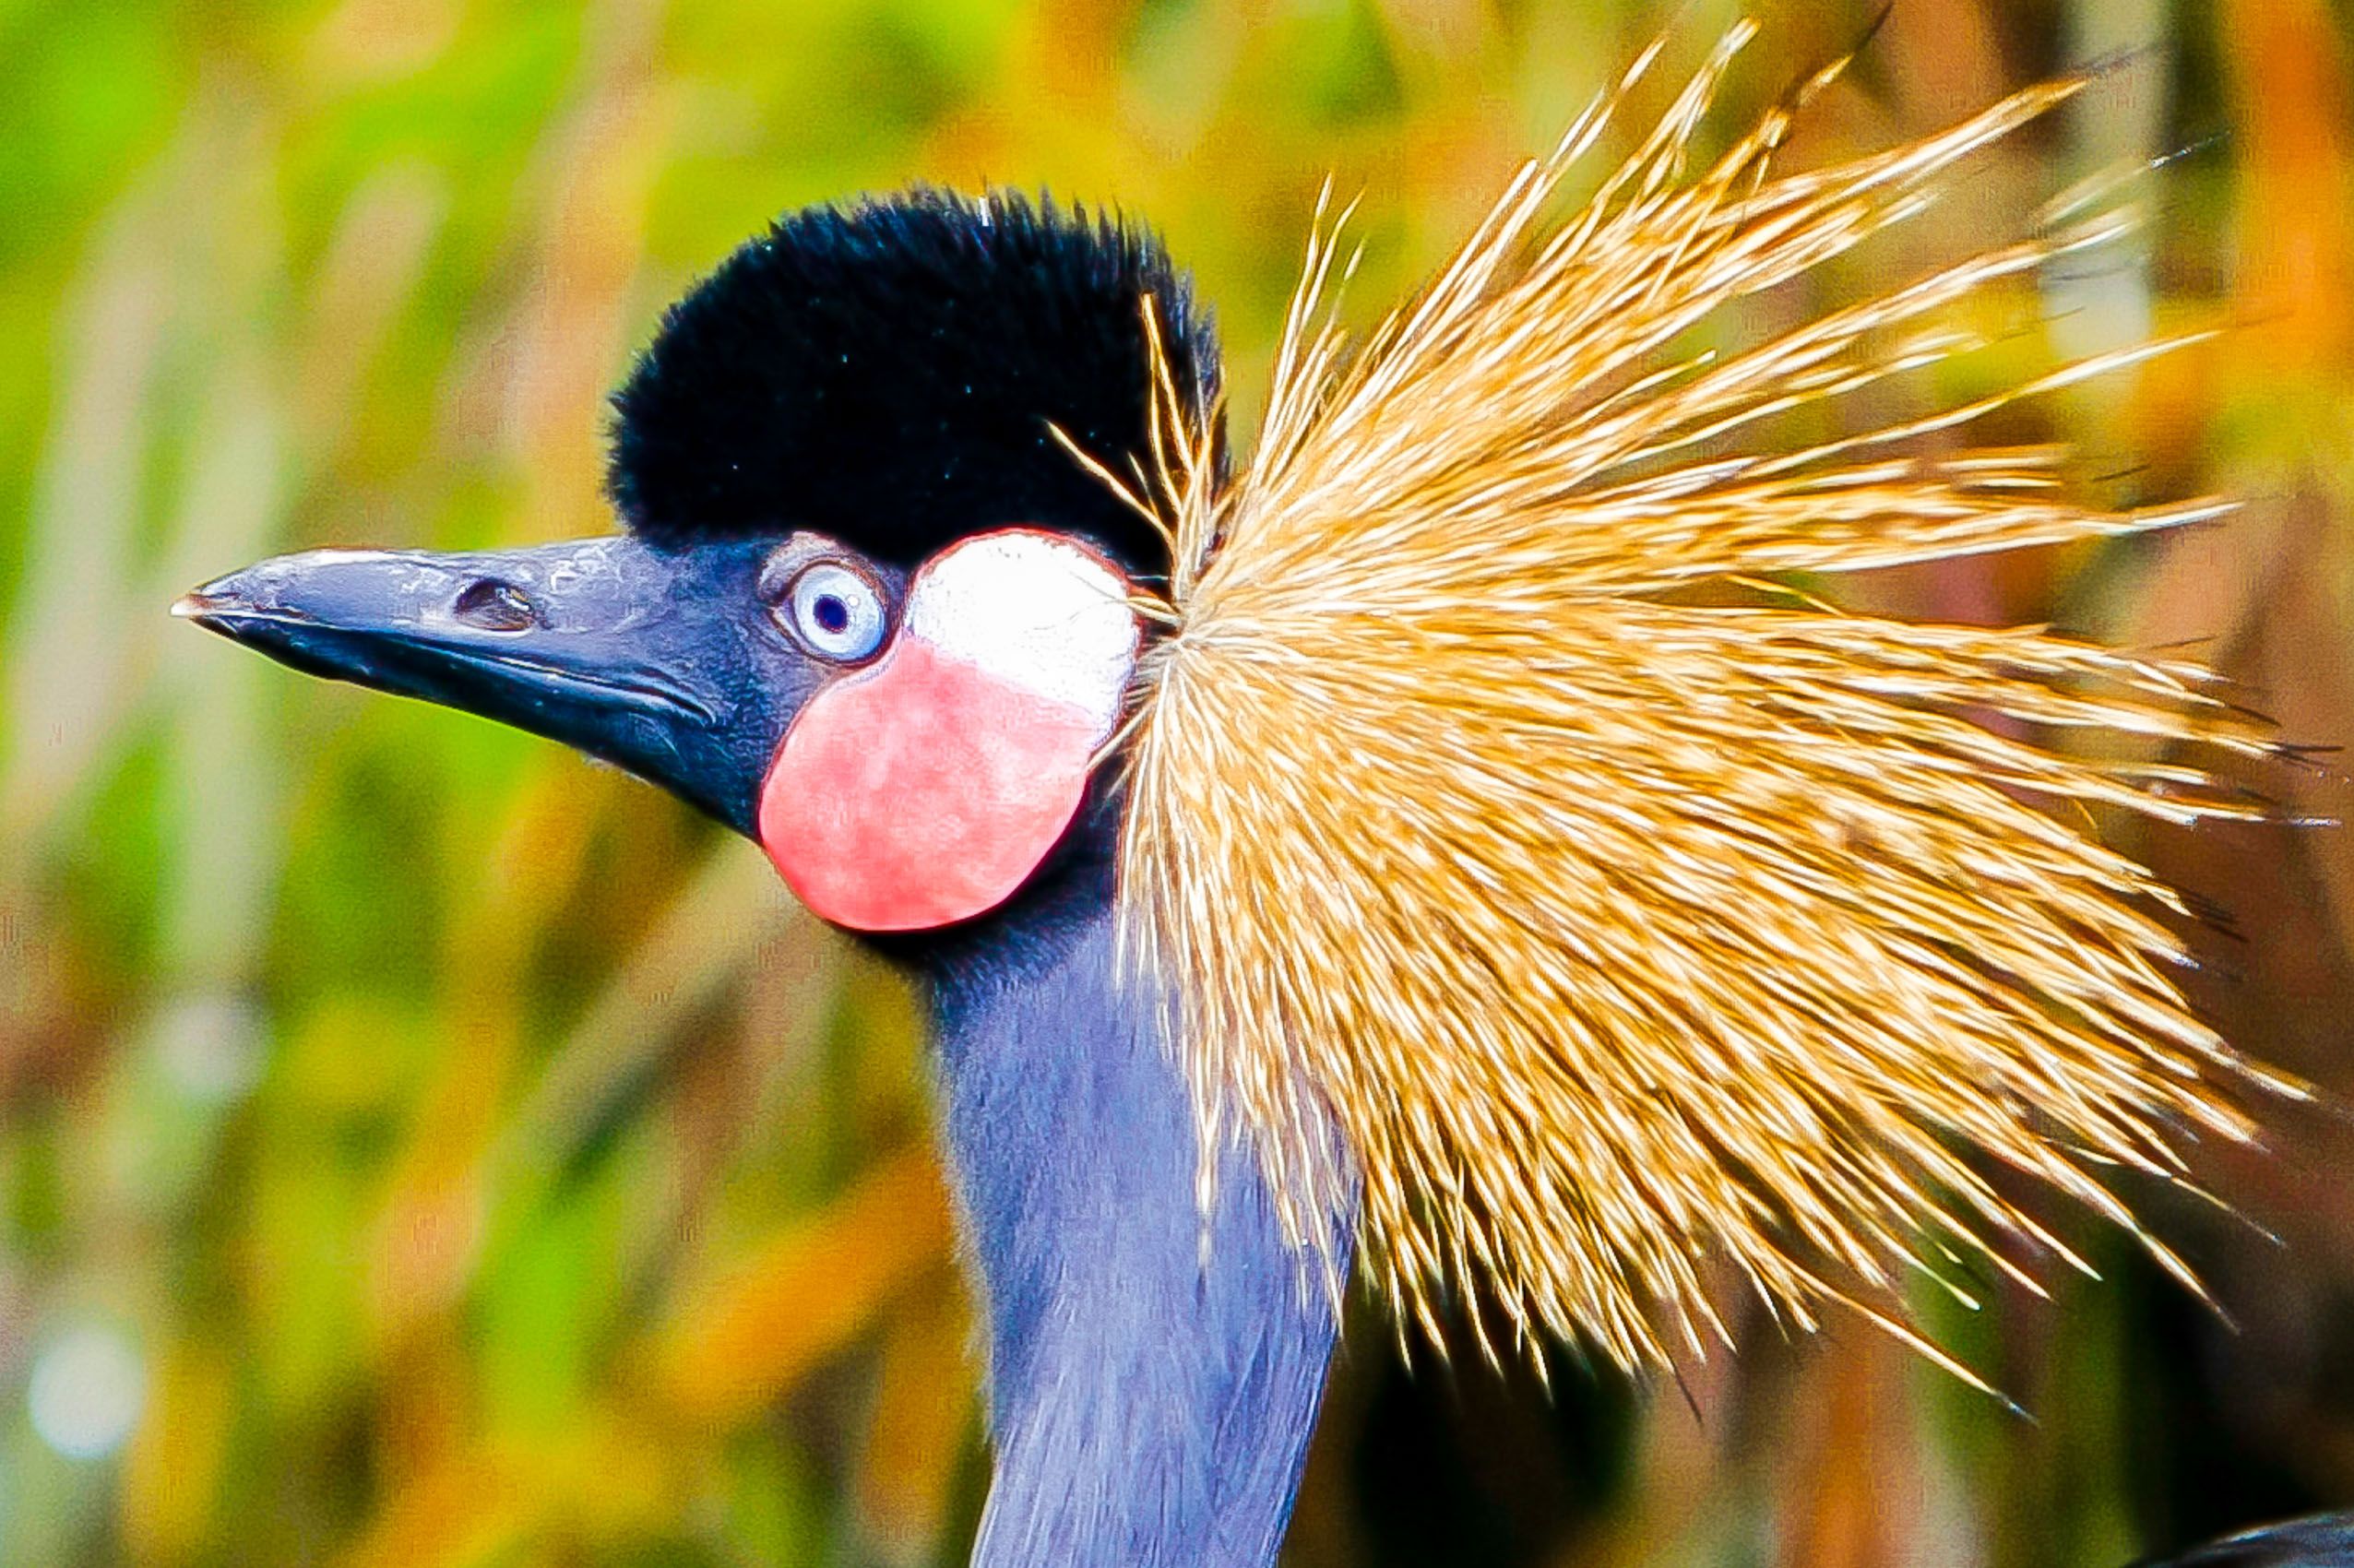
[(1635, 941)]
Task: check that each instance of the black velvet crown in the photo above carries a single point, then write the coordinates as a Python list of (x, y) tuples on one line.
[(886, 374)]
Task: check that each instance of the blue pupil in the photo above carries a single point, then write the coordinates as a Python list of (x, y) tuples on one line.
[(831, 614)]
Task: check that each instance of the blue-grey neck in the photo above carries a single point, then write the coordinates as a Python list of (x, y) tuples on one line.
[(1150, 1395)]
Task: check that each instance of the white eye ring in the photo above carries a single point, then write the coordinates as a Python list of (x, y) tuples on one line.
[(836, 613)]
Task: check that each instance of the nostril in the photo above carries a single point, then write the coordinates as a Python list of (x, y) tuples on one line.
[(496, 606)]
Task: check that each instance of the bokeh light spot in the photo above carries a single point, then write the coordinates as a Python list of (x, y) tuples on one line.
[(88, 1388), (210, 1046)]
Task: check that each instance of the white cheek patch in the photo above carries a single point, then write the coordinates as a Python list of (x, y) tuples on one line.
[(1035, 611)]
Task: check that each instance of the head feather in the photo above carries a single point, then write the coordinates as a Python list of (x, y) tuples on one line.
[(892, 373), (1634, 921)]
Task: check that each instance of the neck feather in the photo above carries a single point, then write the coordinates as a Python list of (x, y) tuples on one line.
[(1152, 1380)]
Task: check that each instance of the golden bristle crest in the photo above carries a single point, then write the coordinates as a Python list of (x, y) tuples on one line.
[(1612, 944)]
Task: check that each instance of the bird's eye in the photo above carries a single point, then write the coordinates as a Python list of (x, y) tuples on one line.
[(836, 613)]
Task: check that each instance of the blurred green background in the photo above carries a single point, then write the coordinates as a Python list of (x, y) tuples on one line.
[(420, 1147)]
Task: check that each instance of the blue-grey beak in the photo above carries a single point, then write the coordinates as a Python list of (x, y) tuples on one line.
[(659, 661)]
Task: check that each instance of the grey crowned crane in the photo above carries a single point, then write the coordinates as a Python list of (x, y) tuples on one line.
[(1446, 851)]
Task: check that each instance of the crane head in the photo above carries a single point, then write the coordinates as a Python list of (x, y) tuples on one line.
[(870, 608)]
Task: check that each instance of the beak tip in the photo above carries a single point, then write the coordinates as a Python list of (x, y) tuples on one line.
[(207, 603), (204, 608)]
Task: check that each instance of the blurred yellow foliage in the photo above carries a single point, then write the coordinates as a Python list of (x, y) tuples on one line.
[(732, 1345)]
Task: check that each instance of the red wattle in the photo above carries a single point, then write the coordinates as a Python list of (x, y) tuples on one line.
[(922, 791)]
